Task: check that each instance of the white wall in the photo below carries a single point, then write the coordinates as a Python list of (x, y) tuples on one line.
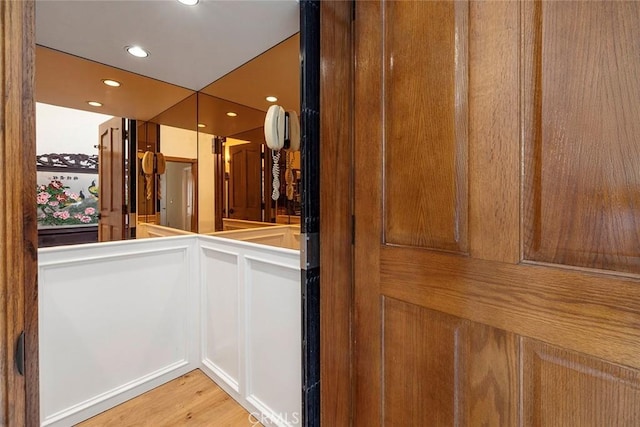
[(178, 142), (118, 319), (115, 321), (64, 130), (251, 325)]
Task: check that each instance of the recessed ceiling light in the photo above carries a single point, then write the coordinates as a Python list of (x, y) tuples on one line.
[(271, 98), (94, 103), (137, 51), (112, 83), (202, 125), (189, 2), (232, 114)]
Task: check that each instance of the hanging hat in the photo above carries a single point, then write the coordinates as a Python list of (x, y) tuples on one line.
[(147, 163)]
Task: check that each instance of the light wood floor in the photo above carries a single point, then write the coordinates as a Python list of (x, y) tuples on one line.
[(192, 399)]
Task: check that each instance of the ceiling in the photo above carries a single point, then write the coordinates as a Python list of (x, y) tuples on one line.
[(236, 78), (68, 81), (190, 46)]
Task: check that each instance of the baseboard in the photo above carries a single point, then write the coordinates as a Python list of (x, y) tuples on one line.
[(118, 395)]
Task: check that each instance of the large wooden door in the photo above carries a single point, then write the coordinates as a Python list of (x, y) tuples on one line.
[(111, 181), (245, 182), (497, 209)]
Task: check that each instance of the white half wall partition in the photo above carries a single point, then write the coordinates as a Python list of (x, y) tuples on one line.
[(118, 319), (251, 326), (114, 322)]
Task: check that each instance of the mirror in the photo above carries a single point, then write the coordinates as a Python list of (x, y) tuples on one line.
[(183, 125), (247, 172)]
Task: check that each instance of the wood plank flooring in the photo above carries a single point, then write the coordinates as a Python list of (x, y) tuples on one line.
[(192, 399)]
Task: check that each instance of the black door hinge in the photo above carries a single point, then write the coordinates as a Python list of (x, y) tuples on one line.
[(353, 229), (353, 10), (20, 362)]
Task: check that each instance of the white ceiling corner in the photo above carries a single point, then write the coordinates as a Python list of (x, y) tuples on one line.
[(189, 46)]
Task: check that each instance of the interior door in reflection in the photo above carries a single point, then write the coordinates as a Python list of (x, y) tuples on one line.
[(245, 182), (177, 196)]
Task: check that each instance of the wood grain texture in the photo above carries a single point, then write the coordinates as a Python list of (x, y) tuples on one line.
[(368, 213), (193, 399), (148, 134), (492, 382), (441, 370), (245, 182), (18, 233), (498, 300), (494, 139), (426, 123), (587, 312), (111, 166), (581, 128), (424, 365), (336, 162), (563, 388)]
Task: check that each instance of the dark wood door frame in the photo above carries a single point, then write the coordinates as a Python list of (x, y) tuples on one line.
[(336, 224), (220, 182), (18, 225)]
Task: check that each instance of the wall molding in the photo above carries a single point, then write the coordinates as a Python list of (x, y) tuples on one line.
[(189, 271)]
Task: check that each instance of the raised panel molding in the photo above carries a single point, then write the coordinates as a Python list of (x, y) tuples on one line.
[(250, 319), (426, 124), (114, 323), (441, 370), (220, 286), (581, 130), (423, 351), (565, 388)]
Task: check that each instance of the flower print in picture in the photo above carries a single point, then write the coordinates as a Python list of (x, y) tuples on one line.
[(59, 206)]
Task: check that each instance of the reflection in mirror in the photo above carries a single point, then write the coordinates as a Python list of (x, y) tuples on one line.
[(247, 173), (67, 196), (177, 194), (64, 136), (172, 133), (183, 124), (214, 119)]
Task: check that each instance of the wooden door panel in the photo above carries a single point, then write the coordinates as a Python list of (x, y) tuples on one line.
[(423, 351), (254, 183), (564, 388), (237, 182), (245, 183), (147, 136), (441, 370), (470, 309), (425, 120), (591, 313), (494, 131), (492, 382), (581, 131), (111, 167)]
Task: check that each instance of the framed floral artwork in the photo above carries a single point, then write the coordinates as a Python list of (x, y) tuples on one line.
[(66, 198)]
